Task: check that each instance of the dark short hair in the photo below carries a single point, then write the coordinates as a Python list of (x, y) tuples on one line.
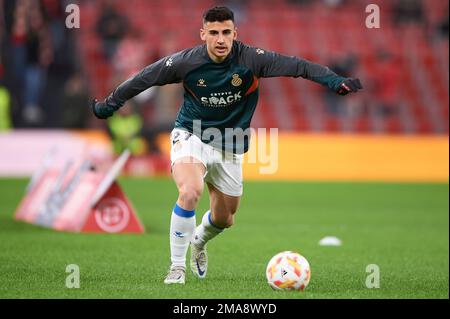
[(218, 14)]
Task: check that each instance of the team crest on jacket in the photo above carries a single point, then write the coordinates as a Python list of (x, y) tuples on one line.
[(236, 81), (201, 82)]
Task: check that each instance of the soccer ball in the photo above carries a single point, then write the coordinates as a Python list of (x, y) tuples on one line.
[(288, 270)]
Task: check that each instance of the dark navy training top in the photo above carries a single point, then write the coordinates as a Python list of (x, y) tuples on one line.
[(220, 98)]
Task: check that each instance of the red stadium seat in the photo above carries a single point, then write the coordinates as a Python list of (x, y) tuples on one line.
[(424, 126), (308, 31), (393, 125), (362, 125), (332, 125)]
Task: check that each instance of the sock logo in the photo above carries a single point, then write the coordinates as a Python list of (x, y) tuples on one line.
[(179, 234)]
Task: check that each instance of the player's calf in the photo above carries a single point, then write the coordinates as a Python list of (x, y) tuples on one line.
[(204, 232)]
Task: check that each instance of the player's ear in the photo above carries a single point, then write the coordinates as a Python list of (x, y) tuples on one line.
[(235, 33), (203, 34)]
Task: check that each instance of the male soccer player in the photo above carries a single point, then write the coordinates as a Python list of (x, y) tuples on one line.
[(221, 88)]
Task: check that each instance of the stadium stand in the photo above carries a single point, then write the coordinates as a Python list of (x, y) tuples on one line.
[(316, 32)]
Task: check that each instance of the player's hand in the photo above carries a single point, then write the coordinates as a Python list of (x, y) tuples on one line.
[(349, 85), (101, 109)]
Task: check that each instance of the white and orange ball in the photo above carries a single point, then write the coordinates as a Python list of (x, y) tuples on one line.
[(288, 270)]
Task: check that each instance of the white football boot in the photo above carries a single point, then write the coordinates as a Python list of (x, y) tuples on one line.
[(199, 261), (176, 275)]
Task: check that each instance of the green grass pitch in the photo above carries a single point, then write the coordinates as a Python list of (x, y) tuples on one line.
[(403, 228)]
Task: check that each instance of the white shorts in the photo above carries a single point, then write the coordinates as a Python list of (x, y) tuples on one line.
[(223, 169)]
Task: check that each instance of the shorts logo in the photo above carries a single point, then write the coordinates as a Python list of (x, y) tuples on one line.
[(175, 137), (201, 82), (236, 81)]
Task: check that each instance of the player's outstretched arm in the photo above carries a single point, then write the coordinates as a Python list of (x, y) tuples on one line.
[(271, 64), (159, 73)]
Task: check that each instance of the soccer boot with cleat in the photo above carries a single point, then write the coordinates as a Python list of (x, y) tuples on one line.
[(176, 275), (199, 261)]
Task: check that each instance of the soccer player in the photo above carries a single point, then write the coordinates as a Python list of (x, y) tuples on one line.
[(221, 88)]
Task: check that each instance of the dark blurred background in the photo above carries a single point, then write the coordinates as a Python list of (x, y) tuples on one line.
[(48, 73)]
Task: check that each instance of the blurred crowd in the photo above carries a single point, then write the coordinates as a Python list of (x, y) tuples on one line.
[(384, 84), (39, 62), (43, 82)]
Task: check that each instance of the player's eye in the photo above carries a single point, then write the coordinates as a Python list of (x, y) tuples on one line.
[(213, 32), (227, 32)]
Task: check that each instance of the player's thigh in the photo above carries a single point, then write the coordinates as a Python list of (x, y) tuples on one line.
[(188, 172), (188, 164), (223, 206)]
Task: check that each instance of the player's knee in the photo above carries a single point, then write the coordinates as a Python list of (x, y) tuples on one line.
[(230, 221), (226, 222), (190, 195)]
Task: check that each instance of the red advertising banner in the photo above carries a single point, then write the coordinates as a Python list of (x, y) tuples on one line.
[(77, 198)]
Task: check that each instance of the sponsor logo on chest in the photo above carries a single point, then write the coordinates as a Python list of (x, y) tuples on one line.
[(221, 99)]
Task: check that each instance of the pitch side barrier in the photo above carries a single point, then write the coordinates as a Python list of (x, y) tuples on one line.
[(78, 198)]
